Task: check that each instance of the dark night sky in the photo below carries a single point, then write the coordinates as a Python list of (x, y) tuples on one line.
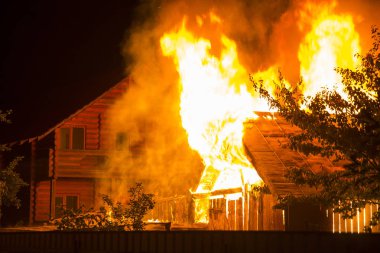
[(55, 57)]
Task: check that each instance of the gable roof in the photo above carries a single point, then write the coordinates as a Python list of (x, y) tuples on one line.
[(118, 88)]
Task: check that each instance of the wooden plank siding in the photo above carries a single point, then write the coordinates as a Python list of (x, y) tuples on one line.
[(258, 214), (83, 188), (42, 201), (73, 172), (273, 219), (89, 162), (80, 163)]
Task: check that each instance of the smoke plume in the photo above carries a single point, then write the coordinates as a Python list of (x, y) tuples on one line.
[(154, 145)]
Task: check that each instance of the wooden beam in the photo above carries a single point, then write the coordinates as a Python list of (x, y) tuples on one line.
[(32, 186), (52, 183), (226, 191)]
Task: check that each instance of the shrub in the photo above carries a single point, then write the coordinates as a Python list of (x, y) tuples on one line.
[(111, 217)]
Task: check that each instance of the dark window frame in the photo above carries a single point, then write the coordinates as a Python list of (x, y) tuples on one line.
[(69, 143), (121, 141), (58, 211)]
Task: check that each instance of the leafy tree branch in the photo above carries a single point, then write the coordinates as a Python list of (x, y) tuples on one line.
[(345, 129)]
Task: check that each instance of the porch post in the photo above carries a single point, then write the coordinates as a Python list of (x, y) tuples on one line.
[(32, 186), (53, 180)]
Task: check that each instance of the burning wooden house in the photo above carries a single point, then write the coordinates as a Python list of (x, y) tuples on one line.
[(64, 164), (67, 167), (201, 140)]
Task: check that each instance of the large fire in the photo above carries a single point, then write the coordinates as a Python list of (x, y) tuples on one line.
[(214, 105), (215, 101), (213, 50), (331, 43)]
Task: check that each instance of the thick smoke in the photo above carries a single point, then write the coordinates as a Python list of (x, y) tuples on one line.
[(155, 147)]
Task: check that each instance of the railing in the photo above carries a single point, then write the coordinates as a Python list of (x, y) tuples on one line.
[(187, 241)]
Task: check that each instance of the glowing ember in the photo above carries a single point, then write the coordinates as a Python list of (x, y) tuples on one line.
[(214, 104)]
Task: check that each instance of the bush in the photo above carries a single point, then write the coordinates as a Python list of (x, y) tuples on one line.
[(112, 216)]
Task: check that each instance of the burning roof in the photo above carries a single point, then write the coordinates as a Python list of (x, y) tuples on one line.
[(266, 145)]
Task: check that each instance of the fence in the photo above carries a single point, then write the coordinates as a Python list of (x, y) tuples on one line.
[(187, 241)]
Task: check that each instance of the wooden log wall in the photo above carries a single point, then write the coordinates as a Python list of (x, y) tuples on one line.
[(98, 140), (83, 188), (80, 163), (32, 183), (42, 201)]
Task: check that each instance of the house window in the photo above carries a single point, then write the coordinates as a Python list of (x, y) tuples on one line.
[(72, 202), (58, 206), (65, 138), (72, 138), (78, 138), (121, 140), (65, 202)]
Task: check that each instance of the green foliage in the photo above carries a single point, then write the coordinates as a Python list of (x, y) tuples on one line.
[(10, 181), (345, 130), (111, 217), (10, 184), (139, 204), (4, 116), (4, 119)]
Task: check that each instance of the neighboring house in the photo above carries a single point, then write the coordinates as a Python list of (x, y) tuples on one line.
[(66, 165)]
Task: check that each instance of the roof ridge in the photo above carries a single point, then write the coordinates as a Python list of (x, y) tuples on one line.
[(125, 80)]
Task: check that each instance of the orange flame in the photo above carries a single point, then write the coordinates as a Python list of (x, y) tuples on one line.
[(214, 104), (331, 43), (215, 101)]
